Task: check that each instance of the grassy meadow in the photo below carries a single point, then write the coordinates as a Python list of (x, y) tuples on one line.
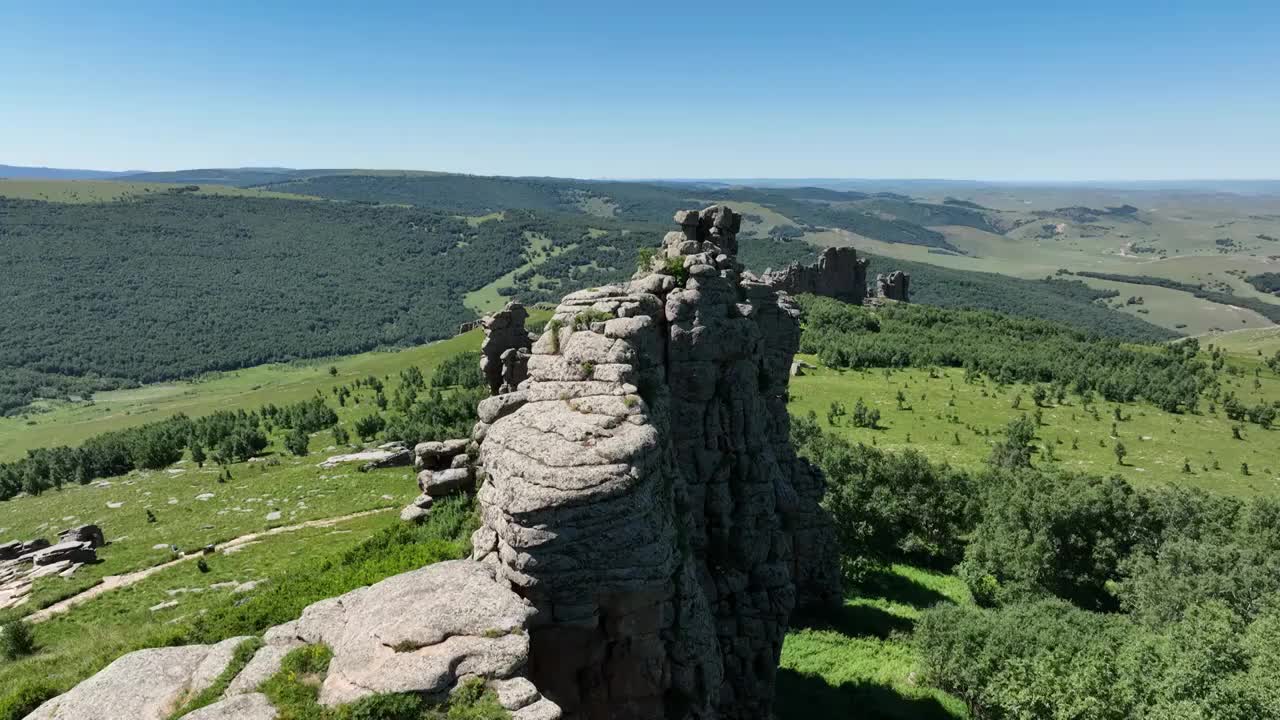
[(861, 662), (233, 594), (949, 420), (62, 423), (96, 191)]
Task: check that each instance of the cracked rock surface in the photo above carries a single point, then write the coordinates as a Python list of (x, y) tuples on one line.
[(644, 496)]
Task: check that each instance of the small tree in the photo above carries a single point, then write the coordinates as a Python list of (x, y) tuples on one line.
[(369, 426), (1120, 452), (1244, 468), (16, 640), (340, 435), (1015, 450), (1039, 394), (297, 442), (197, 454), (333, 371)]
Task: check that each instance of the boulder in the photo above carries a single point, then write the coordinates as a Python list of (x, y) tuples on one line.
[(10, 550), (414, 514), (498, 406), (438, 454), (69, 552), (377, 458), (420, 632), (91, 534), (143, 685), (442, 483)]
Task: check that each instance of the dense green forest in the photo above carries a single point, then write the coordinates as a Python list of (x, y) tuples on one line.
[(1266, 282), (1095, 600), (1271, 311), (175, 285), (1008, 349)]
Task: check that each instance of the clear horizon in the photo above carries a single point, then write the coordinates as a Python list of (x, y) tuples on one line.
[(1148, 92)]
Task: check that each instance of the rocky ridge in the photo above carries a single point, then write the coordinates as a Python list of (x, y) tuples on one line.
[(838, 273)]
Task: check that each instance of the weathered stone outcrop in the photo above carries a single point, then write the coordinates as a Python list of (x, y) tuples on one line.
[(143, 685), (839, 273), (894, 286), (444, 469), (644, 496), (91, 534), (504, 354), (423, 632)]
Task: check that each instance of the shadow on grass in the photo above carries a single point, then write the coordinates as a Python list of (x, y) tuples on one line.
[(857, 621), (891, 586), (805, 697)]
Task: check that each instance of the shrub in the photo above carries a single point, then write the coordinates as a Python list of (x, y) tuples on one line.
[(16, 640), (888, 506), (28, 695), (297, 442)]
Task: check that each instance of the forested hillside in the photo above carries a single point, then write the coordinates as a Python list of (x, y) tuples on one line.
[(177, 285), (161, 285)]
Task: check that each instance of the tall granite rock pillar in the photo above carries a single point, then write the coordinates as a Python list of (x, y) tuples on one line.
[(641, 491), (504, 354)]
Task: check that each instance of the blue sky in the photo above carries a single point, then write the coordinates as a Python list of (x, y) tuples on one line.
[(1027, 90)]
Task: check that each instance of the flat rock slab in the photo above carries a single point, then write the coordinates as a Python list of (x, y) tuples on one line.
[(419, 632), (367, 456), (143, 685)]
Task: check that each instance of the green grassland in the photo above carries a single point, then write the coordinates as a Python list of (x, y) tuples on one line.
[(1254, 343), (68, 423), (487, 299), (97, 191), (942, 409), (233, 593), (194, 508), (861, 662)]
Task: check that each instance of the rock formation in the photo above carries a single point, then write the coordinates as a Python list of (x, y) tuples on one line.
[(894, 286), (421, 632), (504, 354), (839, 273), (647, 528), (444, 469), (641, 490), (22, 563), (91, 534)]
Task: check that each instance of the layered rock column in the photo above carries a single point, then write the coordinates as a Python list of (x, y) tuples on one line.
[(839, 273), (894, 286), (640, 490), (505, 350)]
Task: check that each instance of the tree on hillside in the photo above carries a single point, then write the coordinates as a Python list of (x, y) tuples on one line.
[(297, 442), (1014, 452), (1120, 452)]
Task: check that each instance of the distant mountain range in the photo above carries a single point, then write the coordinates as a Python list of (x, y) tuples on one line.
[(46, 173), (253, 176)]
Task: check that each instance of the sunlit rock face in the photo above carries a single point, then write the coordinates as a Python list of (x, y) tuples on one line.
[(640, 490)]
